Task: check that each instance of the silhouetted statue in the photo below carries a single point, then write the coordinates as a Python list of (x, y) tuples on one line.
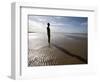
[(48, 32)]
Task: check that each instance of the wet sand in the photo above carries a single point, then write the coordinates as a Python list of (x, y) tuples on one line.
[(65, 49)]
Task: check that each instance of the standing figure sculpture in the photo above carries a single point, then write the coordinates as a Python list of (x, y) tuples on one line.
[(48, 33)]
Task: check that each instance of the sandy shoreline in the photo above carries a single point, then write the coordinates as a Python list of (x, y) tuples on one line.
[(65, 49)]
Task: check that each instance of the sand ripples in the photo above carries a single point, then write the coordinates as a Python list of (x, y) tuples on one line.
[(49, 56)]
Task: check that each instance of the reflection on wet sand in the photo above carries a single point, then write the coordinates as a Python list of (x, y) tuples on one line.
[(65, 49)]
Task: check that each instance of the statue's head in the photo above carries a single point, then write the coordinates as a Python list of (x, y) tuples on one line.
[(48, 24)]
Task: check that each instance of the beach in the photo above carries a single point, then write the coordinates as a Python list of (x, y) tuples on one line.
[(65, 49)]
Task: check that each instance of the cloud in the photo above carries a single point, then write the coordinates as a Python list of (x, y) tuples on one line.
[(57, 24), (36, 27), (84, 24)]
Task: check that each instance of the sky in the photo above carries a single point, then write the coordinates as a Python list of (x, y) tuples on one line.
[(65, 24)]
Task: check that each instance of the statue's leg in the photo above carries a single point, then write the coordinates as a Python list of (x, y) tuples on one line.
[(49, 40)]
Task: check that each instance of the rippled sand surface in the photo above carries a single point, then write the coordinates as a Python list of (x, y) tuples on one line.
[(64, 49)]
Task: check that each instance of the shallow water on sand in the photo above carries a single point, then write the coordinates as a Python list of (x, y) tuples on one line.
[(66, 48)]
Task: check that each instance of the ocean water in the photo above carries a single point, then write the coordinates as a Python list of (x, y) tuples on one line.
[(58, 35)]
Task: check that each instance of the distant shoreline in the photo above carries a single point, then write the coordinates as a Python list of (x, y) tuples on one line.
[(59, 32)]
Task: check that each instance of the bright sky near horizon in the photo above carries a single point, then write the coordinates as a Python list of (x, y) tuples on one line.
[(58, 24)]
